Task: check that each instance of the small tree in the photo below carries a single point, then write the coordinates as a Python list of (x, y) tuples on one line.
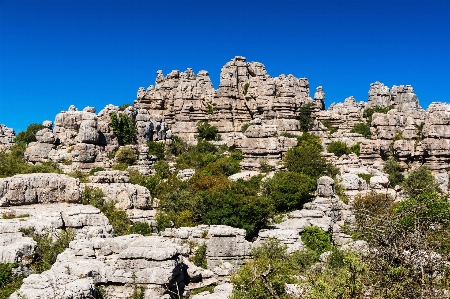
[(29, 135), (338, 148), (125, 156), (304, 117), (420, 180), (123, 127), (361, 128), (207, 132), (393, 169)]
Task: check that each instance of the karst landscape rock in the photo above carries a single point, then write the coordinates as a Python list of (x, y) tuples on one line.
[(256, 115)]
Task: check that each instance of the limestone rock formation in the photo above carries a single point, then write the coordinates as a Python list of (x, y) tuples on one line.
[(400, 97), (7, 136)]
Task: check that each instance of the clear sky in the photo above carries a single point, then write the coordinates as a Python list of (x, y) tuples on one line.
[(93, 53)]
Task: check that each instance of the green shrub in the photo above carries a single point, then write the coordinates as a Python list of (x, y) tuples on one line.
[(398, 136), (356, 149), (236, 155), (223, 166), (177, 146), (142, 228), (327, 123), (365, 176), (368, 112), (12, 163), (420, 180), (79, 175), (290, 190), (246, 86), (148, 181), (306, 158), (156, 149), (124, 106), (245, 127), (117, 218), (47, 249), (210, 109), (199, 257), (162, 169), (8, 282), (338, 148), (29, 135), (362, 128), (266, 275), (207, 132), (304, 117), (316, 239), (125, 155), (265, 166), (393, 169), (95, 169), (123, 127)]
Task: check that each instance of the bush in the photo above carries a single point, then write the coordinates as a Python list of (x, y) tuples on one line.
[(8, 282), (305, 118), (368, 112), (95, 169), (177, 146), (224, 166), (306, 158), (290, 190), (393, 169), (47, 250), (365, 176), (338, 148), (329, 126), (141, 228), (245, 127), (12, 163), (156, 149), (207, 132), (316, 239), (29, 135), (355, 148), (420, 180), (125, 155), (199, 257), (123, 127), (362, 128), (124, 106), (117, 218)]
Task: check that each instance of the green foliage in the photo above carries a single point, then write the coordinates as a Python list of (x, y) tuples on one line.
[(142, 228), (405, 239), (394, 170), (12, 163), (246, 86), (208, 288), (420, 180), (327, 123), (244, 127), (199, 156), (265, 166), (362, 128), (199, 257), (47, 249), (177, 146), (340, 191), (223, 166), (210, 109), (398, 136), (368, 112), (207, 132), (125, 155), (95, 169), (123, 127), (316, 239), (147, 181), (12, 215), (355, 148), (8, 282), (117, 218), (305, 118), (162, 169), (29, 135), (156, 149), (79, 175), (290, 190), (124, 106), (306, 158), (338, 148), (365, 176)]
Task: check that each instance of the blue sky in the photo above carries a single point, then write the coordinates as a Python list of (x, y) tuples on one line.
[(57, 53)]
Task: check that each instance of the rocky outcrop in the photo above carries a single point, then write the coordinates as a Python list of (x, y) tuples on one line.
[(343, 116), (246, 91), (400, 97), (7, 136), (35, 188), (119, 264), (85, 221)]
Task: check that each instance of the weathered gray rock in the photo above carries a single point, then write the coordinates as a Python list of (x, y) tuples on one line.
[(7, 136), (153, 262), (325, 186), (38, 188)]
